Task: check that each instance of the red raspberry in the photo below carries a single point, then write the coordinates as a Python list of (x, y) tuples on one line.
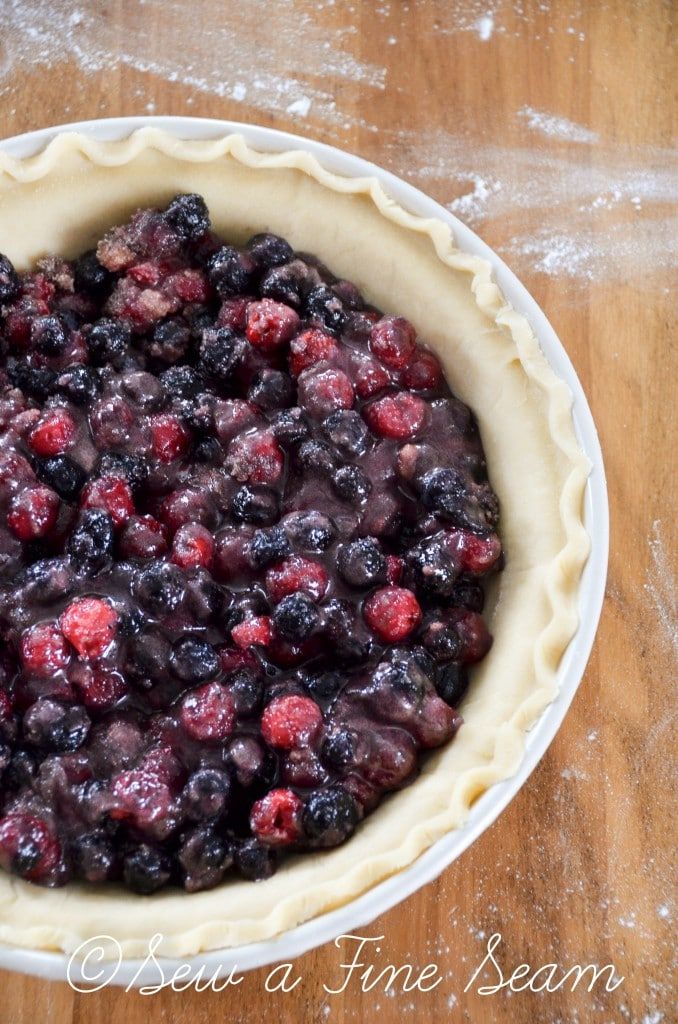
[(189, 286), (252, 632), (370, 376), (15, 473), (276, 818), (187, 506), (401, 416), (53, 434), (394, 569), (475, 554), (309, 347), (231, 416), (208, 713), (475, 637), (423, 373), (89, 624), (6, 706), (112, 494), (297, 573), (44, 650), (21, 833), (141, 796), (393, 340), (270, 324), (99, 688), (233, 659), (231, 554), (142, 537), (33, 513), (322, 392), (255, 457), (233, 313), (290, 722), (392, 613), (169, 437), (193, 546)]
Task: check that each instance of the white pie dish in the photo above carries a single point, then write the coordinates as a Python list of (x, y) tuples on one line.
[(590, 590)]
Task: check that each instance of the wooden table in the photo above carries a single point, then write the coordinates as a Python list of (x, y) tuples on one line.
[(455, 96)]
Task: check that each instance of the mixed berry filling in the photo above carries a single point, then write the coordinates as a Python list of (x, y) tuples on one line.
[(244, 534)]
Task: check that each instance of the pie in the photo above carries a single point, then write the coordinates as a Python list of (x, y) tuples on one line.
[(290, 520)]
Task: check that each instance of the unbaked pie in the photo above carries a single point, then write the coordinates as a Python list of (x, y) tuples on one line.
[(248, 546)]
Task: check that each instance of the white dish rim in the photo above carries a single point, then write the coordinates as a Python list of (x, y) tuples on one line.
[(385, 895)]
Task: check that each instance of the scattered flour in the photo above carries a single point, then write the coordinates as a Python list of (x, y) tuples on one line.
[(485, 26), (557, 127), (230, 58), (660, 586)]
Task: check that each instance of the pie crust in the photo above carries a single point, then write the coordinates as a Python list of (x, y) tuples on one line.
[(60, 201)]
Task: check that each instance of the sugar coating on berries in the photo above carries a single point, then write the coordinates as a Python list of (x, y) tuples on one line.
[(399, 416), (270, 324), (208, 713)]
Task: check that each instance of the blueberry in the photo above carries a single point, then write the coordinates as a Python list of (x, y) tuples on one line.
[(35, 381), (207, 449), (467, 594), (452, 683), (146, 869), (290, 426), (206, 793), (9, 281), (295, 617), (340, 749), (325, 686), (80, 384), (271, 389), (194, 661), (204, 598), (443, 491), (325, 308), (309, 530), (404, 677), (431, 568), (56, 727), (182, 381), (254, 860), (268, 546), (93, 856), (441, 639), (90, 545), (149, 656), (221, 351), (20, 772), (203, 856), (347, 431), (134, 468), (247, 690), (91, 276), (48, 335), (316, 457), (108, 340), (188, 217), (255, 504), (170, 341), (62, 474), (350, 639), (330, 816), (45, 581), (352, 484), (362, 563), (287, 283), (269, 250), (160, 587), (230, 272)]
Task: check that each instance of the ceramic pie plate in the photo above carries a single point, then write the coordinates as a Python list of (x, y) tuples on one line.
[(64, 186)]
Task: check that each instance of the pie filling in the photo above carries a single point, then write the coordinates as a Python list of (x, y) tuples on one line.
[(244, 534)]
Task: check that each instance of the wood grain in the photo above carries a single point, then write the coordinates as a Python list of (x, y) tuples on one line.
[(578, 869)]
